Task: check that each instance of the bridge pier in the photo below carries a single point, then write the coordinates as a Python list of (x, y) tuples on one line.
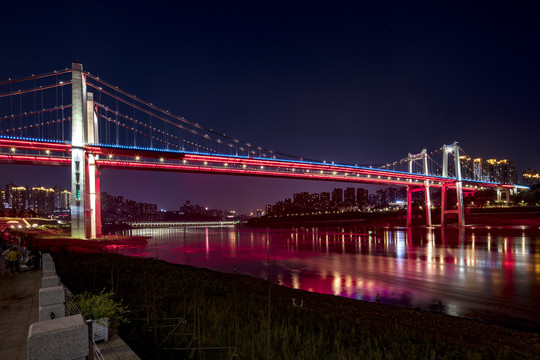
[(506, 195)]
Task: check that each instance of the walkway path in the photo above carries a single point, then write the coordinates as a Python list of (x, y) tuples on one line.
[(19, 307)]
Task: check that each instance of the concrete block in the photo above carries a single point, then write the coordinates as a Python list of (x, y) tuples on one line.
[(52, 296), (49, 273), (48, 266), (58, 311), (63, 338), (49, 281)]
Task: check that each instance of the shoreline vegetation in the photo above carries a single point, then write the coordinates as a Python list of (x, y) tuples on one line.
[(180, 311), (196, 311)]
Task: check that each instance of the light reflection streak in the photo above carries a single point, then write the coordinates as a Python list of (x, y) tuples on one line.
[(207, 243)]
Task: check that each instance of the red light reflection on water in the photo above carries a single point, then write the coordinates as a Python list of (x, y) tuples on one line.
[(474, 272)]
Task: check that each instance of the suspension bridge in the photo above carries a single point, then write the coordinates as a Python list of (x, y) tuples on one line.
[(74, 118)]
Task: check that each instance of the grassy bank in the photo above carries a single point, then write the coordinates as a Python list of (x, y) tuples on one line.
[(219, 314)]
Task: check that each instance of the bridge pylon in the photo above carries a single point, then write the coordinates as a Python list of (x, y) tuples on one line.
[(427, 200), (85, 199), (457, 184)]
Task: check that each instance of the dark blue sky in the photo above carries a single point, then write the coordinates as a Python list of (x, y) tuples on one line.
[(330, 80)]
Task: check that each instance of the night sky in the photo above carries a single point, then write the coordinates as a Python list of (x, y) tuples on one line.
[(328, 80)]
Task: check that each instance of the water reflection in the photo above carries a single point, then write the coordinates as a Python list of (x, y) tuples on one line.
[(485, 272)]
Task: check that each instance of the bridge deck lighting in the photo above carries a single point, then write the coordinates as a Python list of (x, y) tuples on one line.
[(205, 163), (137, 158), (161, 159), (12, 149), (244, 166), (48, 152), (184, 161), (262, 167), (110, 156), (225, 164)]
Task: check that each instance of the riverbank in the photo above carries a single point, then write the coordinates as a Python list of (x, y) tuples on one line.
[(55, 241), (482, 216), (254, 318)]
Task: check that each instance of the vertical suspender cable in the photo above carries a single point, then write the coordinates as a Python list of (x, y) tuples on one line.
[(116, 118), (11, 101), (38, 133), (56, 103), (20, 111), (62, 105)]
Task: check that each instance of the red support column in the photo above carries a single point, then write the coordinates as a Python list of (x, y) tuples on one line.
[(443, 204), (409, 206), (98, 204)]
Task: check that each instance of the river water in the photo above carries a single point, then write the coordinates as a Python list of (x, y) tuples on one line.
[(490, 273)]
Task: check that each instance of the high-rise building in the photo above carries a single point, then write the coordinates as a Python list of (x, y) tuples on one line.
[(41, 200), (505, 171), (350, 196), (362, 199), (301, 200), (531, 177), (500, 171), (467, 167), (479, 171), (16, 197), (62, 199), (337, 197), (324, 199)]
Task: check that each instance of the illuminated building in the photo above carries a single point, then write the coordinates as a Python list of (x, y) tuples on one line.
[(362, 199), (501, 171), (16, 197), (531, 177), (41, 200), (350, 196), (479, 171), (324, 198), (337, 197), (62, 199), (467, 167)]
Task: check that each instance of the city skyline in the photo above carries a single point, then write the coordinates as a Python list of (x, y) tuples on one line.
[(335, 82)]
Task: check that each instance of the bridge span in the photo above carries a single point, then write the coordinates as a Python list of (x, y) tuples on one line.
[(98, 122)]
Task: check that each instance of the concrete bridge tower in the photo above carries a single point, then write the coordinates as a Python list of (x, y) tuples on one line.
[(85, 200)]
